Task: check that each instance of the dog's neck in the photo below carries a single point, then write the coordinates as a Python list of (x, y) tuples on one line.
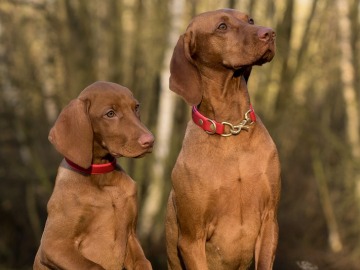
[(100, 154), (225, 96)]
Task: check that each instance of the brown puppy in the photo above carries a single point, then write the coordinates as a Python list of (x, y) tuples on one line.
[(222, 210), (92, 212)]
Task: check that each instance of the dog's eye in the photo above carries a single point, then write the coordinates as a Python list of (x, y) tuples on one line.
[(137, 107), (222, 26), (110, 114), (251, 21), (137, 110)]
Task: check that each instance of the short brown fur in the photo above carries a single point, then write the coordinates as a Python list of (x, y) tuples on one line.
[(222, 210), (92, 219)]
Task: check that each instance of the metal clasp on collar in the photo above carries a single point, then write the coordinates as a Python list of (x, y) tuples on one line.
[(236, 129), (212, 127)]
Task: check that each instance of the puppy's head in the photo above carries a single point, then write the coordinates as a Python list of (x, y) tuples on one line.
[(225, 41), (104, 119)]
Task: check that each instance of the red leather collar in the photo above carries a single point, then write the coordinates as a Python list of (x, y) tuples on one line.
[(94, 168), (214, 127)]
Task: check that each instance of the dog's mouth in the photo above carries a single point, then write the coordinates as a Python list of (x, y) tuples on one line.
[(147, 151), (265, 57), (132, 154), (270, 52), (144, 154)]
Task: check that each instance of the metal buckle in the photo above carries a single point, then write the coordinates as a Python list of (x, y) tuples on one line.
[(248, 118), (236, 129), (212, 126)]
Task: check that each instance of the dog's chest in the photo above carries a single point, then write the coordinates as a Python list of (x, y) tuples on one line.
[(221, 164), (227, 175), (108, 215)]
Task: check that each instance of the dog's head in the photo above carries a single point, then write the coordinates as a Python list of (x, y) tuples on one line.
[(224, 40), (104, 119)]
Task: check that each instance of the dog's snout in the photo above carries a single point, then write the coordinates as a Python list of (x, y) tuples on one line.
[(266, 34), (146, 140)]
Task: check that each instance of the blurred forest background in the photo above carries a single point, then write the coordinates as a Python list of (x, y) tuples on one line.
[(308, 97)]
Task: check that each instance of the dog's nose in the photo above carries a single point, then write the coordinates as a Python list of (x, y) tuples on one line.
[(266, 34), (146, 140)]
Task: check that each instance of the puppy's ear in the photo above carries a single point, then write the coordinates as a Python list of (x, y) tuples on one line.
[(72, 133), (184, 75)]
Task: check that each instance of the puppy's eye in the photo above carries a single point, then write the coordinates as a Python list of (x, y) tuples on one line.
[(110, 114), (222, 26), (251, 21)]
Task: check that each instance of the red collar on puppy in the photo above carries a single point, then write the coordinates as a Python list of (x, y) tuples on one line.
[(212, 126), (94, 168)]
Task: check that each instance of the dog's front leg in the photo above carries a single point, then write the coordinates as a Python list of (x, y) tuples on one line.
[(192, 236), (135, 258), (58, 256), (193, 252), (266, 242), (192, 220), (172, 236)]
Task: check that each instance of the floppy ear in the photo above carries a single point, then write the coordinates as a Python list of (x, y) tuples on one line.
[(247, 72), (184, 75), (72, 133)]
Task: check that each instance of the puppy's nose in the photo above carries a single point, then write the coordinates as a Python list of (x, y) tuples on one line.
[(266, 34), (146, 140)]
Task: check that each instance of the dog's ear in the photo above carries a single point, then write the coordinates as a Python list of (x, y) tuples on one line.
[(184, 75), (72, 133), (247, 72)]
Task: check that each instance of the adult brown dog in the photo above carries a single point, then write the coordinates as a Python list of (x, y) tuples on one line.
[(222, 210), (92, 212)]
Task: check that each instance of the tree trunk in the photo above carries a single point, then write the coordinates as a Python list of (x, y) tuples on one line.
[(284, 33), (347, 77), (153, 201), (348, 64), (324, 196)]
